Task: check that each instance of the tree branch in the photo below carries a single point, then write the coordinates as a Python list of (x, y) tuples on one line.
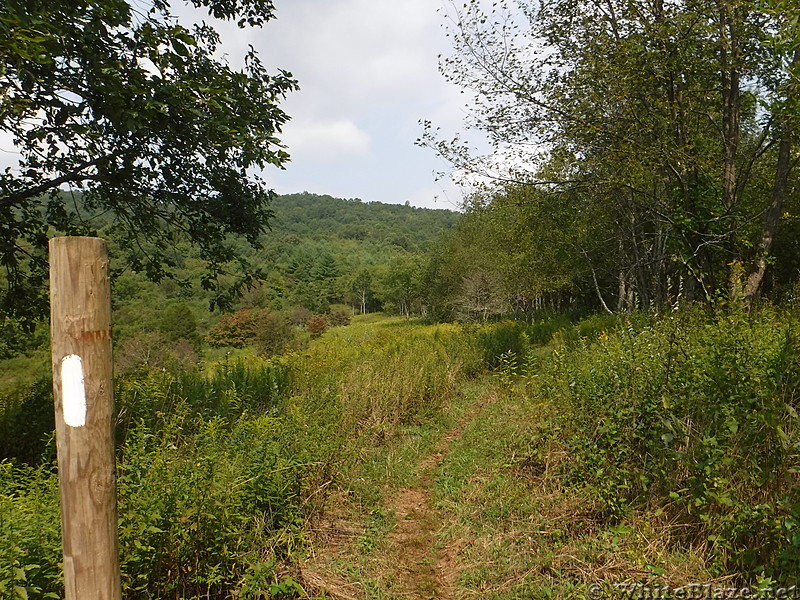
[(73, 176)]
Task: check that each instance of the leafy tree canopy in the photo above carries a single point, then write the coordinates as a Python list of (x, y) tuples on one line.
[(128, 113), (671, 129)]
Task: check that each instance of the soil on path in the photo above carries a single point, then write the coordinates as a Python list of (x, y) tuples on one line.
[(422, 567)]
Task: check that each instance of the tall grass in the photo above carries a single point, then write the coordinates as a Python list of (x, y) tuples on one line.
[(382, 377), (697, 414), (220, 469)]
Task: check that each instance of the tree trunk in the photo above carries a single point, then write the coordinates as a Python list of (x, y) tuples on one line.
[(771, 219), (599, 293), (731, 116), (773, 214)]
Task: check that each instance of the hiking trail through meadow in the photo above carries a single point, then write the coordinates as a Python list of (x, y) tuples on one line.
[(418, 565)]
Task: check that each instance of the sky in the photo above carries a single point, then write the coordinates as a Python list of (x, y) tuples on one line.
[(368, 73)]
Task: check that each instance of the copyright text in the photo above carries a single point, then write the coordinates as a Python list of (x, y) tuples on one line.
[(691, 591)]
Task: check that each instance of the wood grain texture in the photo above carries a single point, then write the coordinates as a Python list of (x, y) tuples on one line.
[(80, 325)]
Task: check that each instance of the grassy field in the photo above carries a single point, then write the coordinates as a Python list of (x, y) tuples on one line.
[(636, 451), (221, 470), (391, 459)]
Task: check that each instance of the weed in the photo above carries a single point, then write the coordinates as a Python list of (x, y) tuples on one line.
[(697, 412), (219, 469)]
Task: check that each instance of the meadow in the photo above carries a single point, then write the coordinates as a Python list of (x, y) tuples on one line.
[(220, 468), (547, 457)]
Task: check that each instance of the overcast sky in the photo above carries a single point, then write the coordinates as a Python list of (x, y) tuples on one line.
[(368, 73)]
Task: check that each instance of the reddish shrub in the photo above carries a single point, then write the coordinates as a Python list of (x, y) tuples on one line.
[(317, 325), (237, 329)]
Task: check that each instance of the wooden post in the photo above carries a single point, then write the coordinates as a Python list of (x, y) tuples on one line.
[(80, 328)]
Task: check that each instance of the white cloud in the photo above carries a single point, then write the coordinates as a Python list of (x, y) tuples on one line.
[(443, 194), (350, 54), (325, 140), (368, 72)]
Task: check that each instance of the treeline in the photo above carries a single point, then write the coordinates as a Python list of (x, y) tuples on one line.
[(653, 148), (525, 250)]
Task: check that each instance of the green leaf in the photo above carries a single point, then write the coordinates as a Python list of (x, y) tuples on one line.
[(180, 48)]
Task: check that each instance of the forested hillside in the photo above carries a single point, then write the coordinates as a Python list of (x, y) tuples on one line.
[(320, 254)]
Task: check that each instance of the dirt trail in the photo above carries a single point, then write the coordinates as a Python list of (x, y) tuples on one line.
[(420, 565)]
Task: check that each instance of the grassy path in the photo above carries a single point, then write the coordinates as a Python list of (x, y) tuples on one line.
[(426, 567), (397, 551), (473, 507)]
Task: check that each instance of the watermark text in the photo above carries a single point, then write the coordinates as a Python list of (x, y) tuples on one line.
[(690, 591)]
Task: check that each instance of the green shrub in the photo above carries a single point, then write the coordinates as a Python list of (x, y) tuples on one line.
[(499, 340), (151, 349), (339, 316), (382, 376), (697, 412), (274, 335), (200, 513), (178, 322), (236, 330), (224, 390), (27, 421), (30, 532), (215, 481), (541, 331)]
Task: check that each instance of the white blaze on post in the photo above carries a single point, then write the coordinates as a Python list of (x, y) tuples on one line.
[(73, 391), (83, 390)]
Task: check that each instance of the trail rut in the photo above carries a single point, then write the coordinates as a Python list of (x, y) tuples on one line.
[(422, 567)]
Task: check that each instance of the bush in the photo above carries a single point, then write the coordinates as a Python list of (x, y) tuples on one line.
[(27, 422), (501, 340), (224, 390), (542, 330), (236, 330), (200, 514), (153, 350), (214, 482), (179, 323), (339, 316), (273, 334), (30, 532), (382, 377), (317, 325), (698, 413), (270, 333), (299, 315)]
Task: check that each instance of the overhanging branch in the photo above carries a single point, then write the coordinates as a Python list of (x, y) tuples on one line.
[(77, 174)]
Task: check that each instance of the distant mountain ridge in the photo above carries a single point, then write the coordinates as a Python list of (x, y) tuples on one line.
[(408, 227)]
